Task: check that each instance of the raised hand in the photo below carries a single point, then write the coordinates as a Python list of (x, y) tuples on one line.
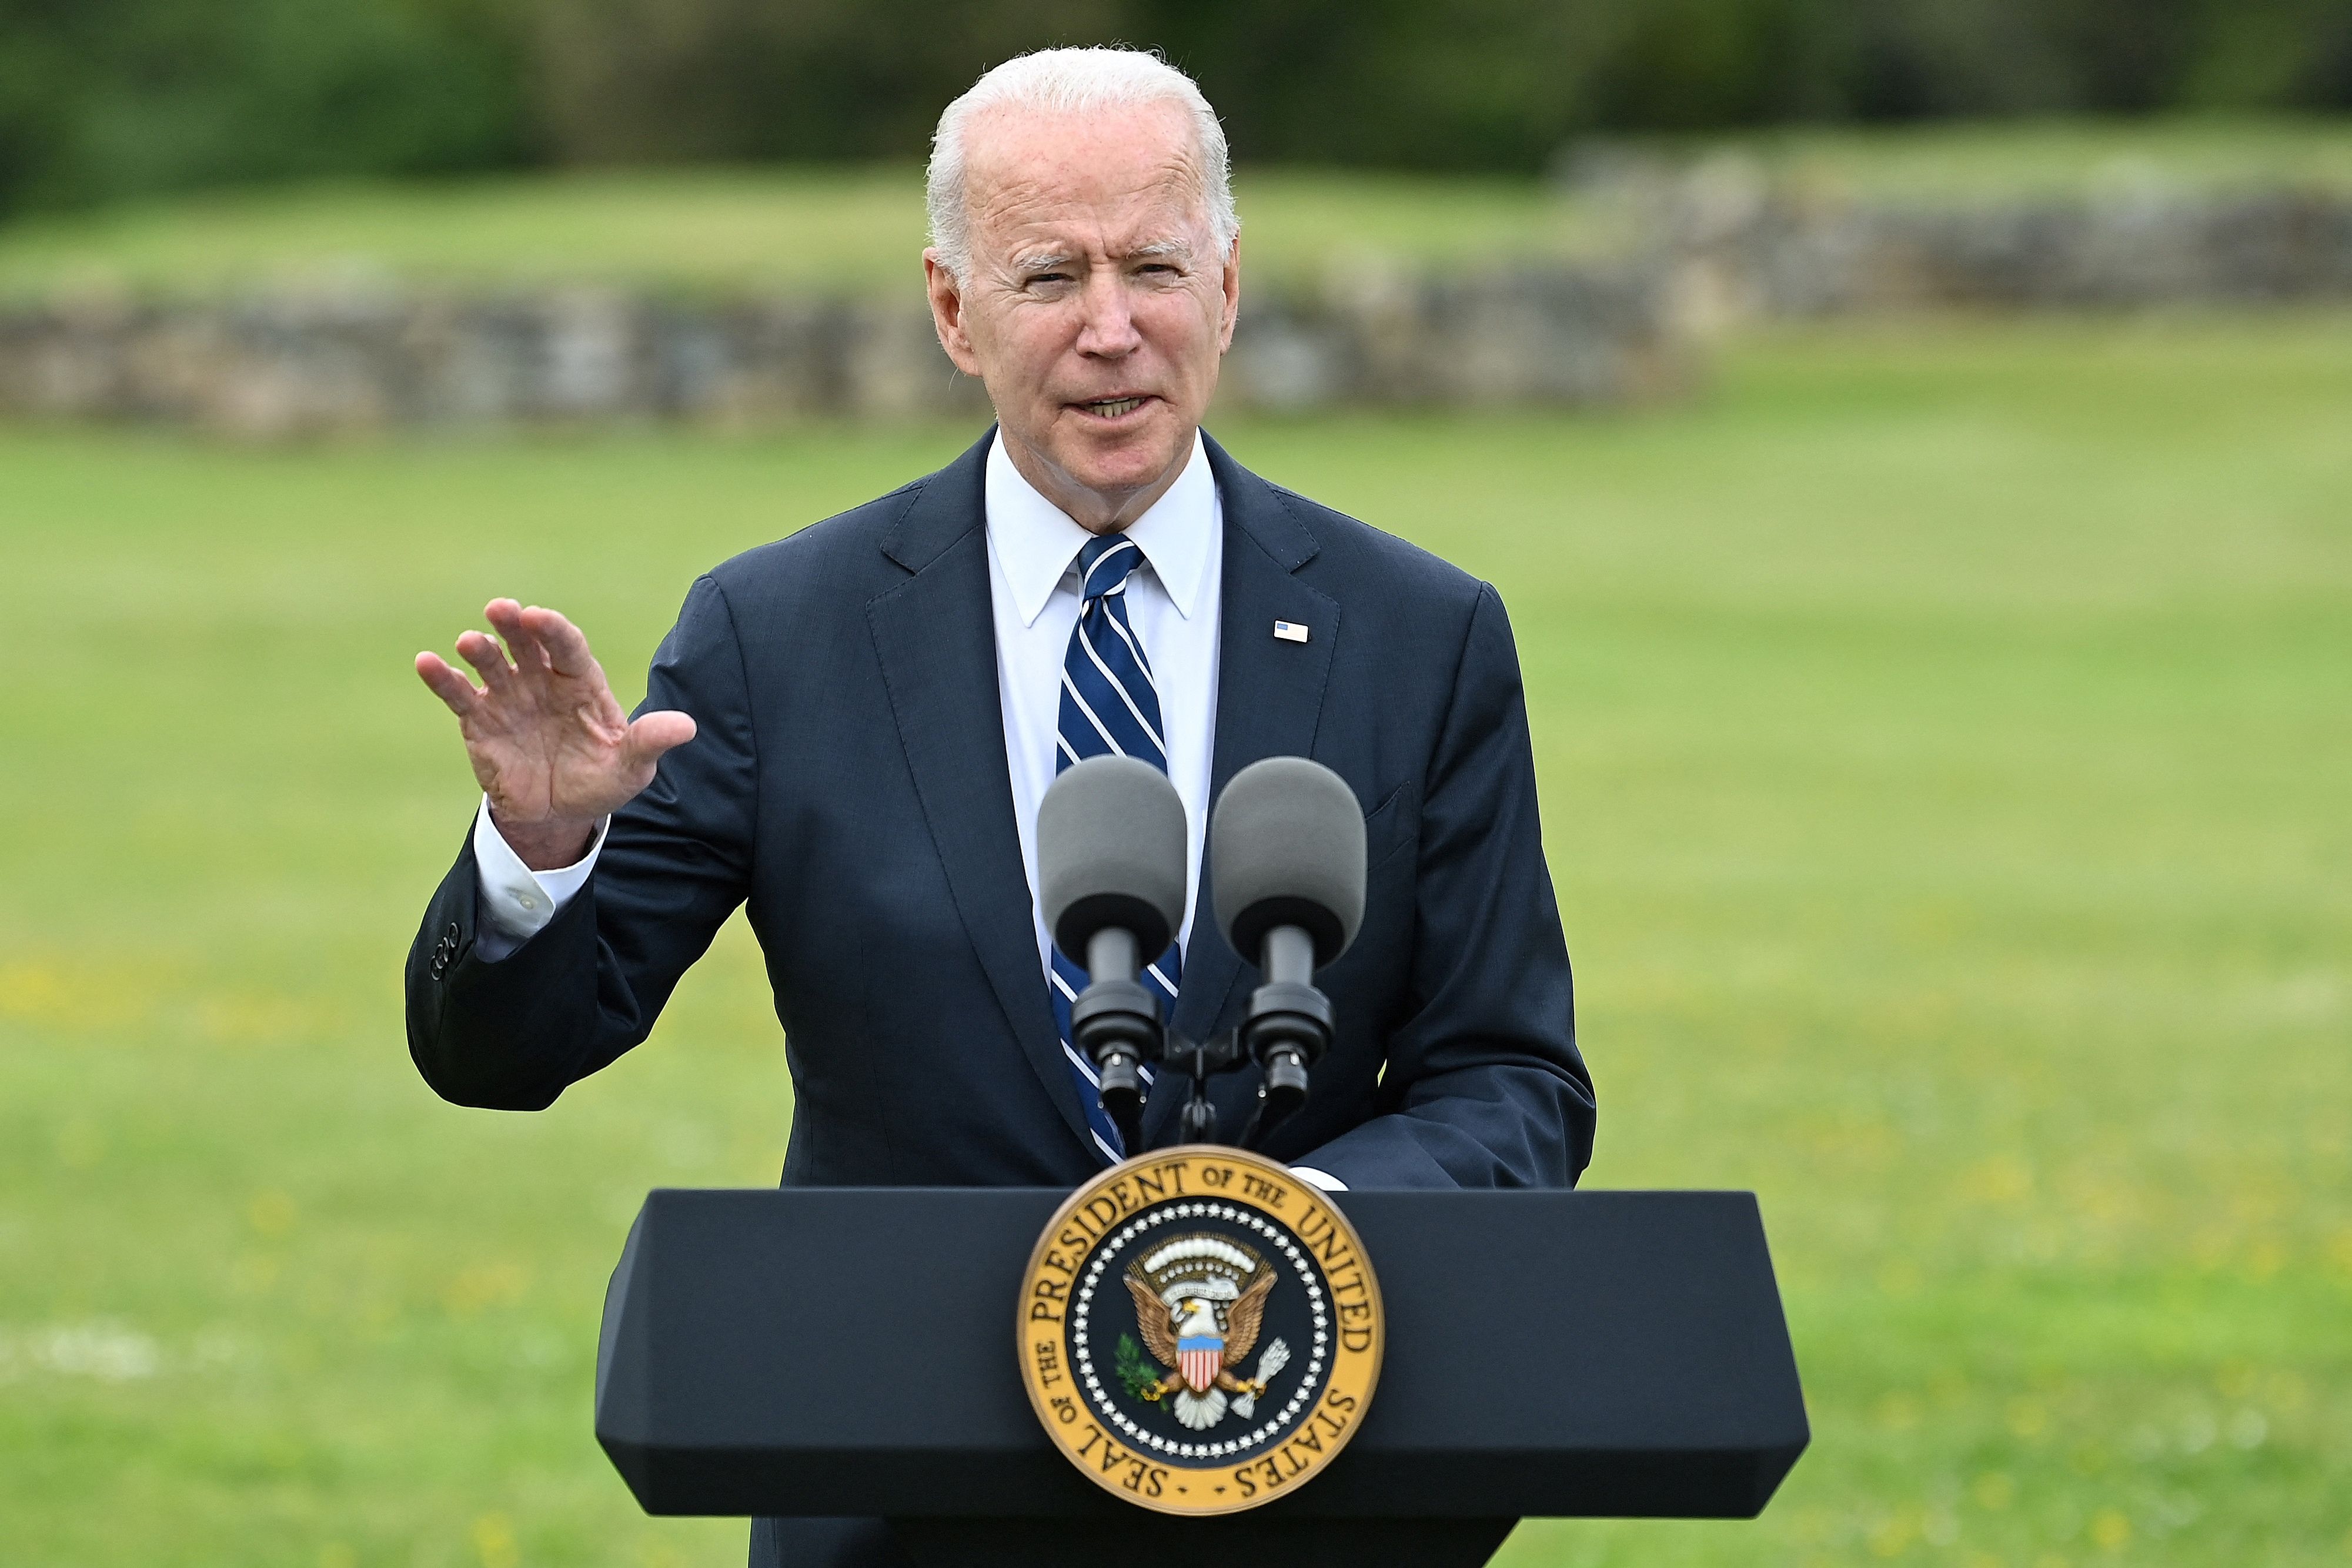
[(551, 745)]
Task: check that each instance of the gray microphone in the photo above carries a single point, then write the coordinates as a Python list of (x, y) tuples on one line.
[(1287, 861), (1111, 877)]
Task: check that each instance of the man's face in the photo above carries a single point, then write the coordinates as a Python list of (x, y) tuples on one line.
[(1098, 307)]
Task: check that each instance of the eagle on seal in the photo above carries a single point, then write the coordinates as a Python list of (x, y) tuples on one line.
[(1186, 1335)]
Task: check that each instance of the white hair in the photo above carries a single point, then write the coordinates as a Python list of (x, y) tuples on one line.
[(1065, 81)]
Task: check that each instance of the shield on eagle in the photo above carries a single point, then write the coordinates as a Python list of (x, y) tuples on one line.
[(1200, 1357)]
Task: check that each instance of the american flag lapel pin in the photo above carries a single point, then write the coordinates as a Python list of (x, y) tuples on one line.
[(1290, 630)]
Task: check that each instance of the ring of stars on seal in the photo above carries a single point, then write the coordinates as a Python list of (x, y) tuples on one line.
[(1200, 1330)]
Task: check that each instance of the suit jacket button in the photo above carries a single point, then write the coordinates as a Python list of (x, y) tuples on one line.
[(452, 934)]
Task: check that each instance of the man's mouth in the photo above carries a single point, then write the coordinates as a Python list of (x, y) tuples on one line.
[(1112, 407)]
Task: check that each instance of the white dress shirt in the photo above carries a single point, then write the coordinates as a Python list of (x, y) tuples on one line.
[(1172, 602)]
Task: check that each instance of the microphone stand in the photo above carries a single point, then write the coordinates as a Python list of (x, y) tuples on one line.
[(1116, 1024), (1289, 1027)]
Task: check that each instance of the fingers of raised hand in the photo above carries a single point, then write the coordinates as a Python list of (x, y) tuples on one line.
[(512, 621), (447, 684), (489, 661), (565, 644)]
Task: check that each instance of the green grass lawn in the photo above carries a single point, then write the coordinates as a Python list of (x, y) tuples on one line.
[(1944, 742), (859, 231)]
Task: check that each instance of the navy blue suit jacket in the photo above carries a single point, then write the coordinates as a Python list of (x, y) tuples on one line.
[(848, 783)]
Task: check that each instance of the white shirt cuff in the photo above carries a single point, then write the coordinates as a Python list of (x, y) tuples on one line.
[(516, 901), (1323, 1179)]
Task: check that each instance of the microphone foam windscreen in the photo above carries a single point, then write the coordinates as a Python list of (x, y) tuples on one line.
[(1111, 852), (1286, 847)]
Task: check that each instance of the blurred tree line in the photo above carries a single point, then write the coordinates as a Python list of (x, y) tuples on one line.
[(101, 98)]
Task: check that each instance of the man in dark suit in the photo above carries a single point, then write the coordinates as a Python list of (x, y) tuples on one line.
[(849, 729)]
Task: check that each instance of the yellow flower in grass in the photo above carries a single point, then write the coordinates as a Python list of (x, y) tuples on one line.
[(2110, 1530)]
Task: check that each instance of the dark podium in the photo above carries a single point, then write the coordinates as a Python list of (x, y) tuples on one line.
[(829, 1352)]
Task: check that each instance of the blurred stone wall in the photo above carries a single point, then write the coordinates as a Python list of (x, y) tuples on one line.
[(1716, 245), (1740, 246), (297, 362)]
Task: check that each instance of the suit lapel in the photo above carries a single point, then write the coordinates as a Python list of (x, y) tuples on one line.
[(935, 635), (1269, 704)]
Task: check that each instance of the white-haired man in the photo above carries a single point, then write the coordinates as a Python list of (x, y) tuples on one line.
[(851, 729)]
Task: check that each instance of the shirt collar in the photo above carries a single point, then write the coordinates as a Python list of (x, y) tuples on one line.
[(1037, 545)]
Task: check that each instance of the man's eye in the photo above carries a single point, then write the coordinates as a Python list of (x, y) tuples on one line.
[(1049, 277)]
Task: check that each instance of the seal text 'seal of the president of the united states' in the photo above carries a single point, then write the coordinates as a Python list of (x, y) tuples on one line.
[(1200, 1330)]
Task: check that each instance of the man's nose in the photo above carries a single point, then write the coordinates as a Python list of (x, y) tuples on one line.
[(1109, 331)]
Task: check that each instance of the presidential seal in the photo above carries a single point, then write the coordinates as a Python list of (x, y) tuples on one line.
[(1200, 1330)]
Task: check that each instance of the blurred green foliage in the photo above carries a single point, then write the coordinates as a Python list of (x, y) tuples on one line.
[(101, 98)]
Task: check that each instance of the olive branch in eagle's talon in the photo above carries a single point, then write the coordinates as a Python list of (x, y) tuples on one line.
[(1137, 1374)]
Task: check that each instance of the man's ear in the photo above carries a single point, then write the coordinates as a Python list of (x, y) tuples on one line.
[(1232, 283), (948, 313)]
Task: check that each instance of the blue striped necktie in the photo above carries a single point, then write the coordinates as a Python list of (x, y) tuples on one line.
[(1108, 705)]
